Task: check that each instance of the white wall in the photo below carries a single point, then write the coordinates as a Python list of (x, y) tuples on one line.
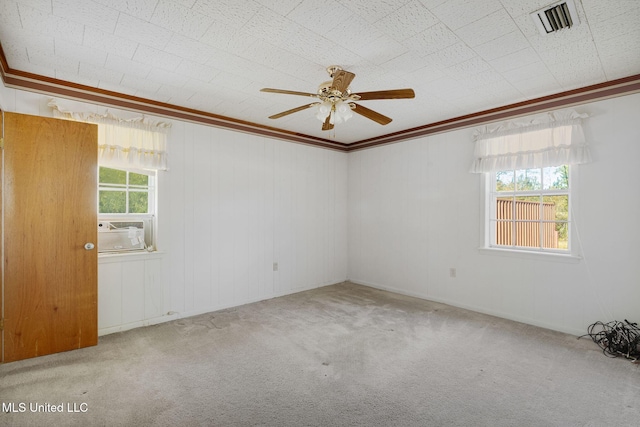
[(415, 212), (131, 291), (240, 203), (230, 206)]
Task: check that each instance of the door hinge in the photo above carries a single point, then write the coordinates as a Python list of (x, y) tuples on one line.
[(1, 324), (1, 143)]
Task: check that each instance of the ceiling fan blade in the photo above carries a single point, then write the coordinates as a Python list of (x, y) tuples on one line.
[(341, 80), (327, 125), (370, 114), (293, 110), (387, 94), (288, 92)]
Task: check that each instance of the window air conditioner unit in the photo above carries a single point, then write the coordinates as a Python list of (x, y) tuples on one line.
[(118, 236)]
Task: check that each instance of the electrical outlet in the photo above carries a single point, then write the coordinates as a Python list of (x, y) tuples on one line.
[(452, 272), (275, 266)]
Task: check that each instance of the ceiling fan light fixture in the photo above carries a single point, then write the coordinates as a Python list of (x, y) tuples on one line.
[(324, 109), (342, 112), (339, 111)]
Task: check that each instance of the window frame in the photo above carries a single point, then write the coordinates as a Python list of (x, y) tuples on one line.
[(128, 188), (149, 218), (489, 219)]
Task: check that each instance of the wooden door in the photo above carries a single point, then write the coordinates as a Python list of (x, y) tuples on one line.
[(50, 279)]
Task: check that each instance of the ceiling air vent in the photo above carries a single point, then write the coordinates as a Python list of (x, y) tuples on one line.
[(556, 17)]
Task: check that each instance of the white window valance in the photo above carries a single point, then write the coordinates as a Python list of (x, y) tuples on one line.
[(552, 139), (136, 142)]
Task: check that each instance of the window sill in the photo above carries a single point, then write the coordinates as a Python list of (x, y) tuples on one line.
[(128, 256), (542, 256)]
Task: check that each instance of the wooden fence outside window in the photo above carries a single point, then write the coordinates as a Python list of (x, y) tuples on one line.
[(527, 223)]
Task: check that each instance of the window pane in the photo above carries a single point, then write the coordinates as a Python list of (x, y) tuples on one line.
[(504, 208), (528, 208), (112, 202), (504, 232), (528, 179), (556, 208), (528, 234), (138, 179), (562, 229), (138, 202), (527, 224), (556, 177), (504, 181), (112, 176), (555, 235)]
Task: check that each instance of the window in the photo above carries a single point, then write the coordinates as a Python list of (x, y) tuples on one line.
[(530, 165), (126, 209), (529, 209), (125, 192)]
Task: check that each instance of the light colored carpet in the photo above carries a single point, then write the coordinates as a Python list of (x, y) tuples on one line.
[(343, 355)]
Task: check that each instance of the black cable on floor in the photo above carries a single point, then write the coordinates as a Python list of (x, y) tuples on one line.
[(616, 338)]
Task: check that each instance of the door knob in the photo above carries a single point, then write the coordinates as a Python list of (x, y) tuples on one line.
[(89, 246)]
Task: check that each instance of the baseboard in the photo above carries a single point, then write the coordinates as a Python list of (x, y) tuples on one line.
[(139, 324), (174, 315), (508, 316)]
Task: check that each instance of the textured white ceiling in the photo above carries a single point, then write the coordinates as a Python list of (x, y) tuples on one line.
[(460, 56)]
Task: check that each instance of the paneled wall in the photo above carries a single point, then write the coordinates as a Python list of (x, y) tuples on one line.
[(239, 205), (415, 213), (131, 291)]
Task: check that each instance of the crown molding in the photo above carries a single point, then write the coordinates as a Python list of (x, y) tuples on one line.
[(610, 89), (50, 86), (36, 83)]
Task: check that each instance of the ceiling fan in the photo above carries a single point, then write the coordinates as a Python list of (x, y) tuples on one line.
[(335, 100)]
